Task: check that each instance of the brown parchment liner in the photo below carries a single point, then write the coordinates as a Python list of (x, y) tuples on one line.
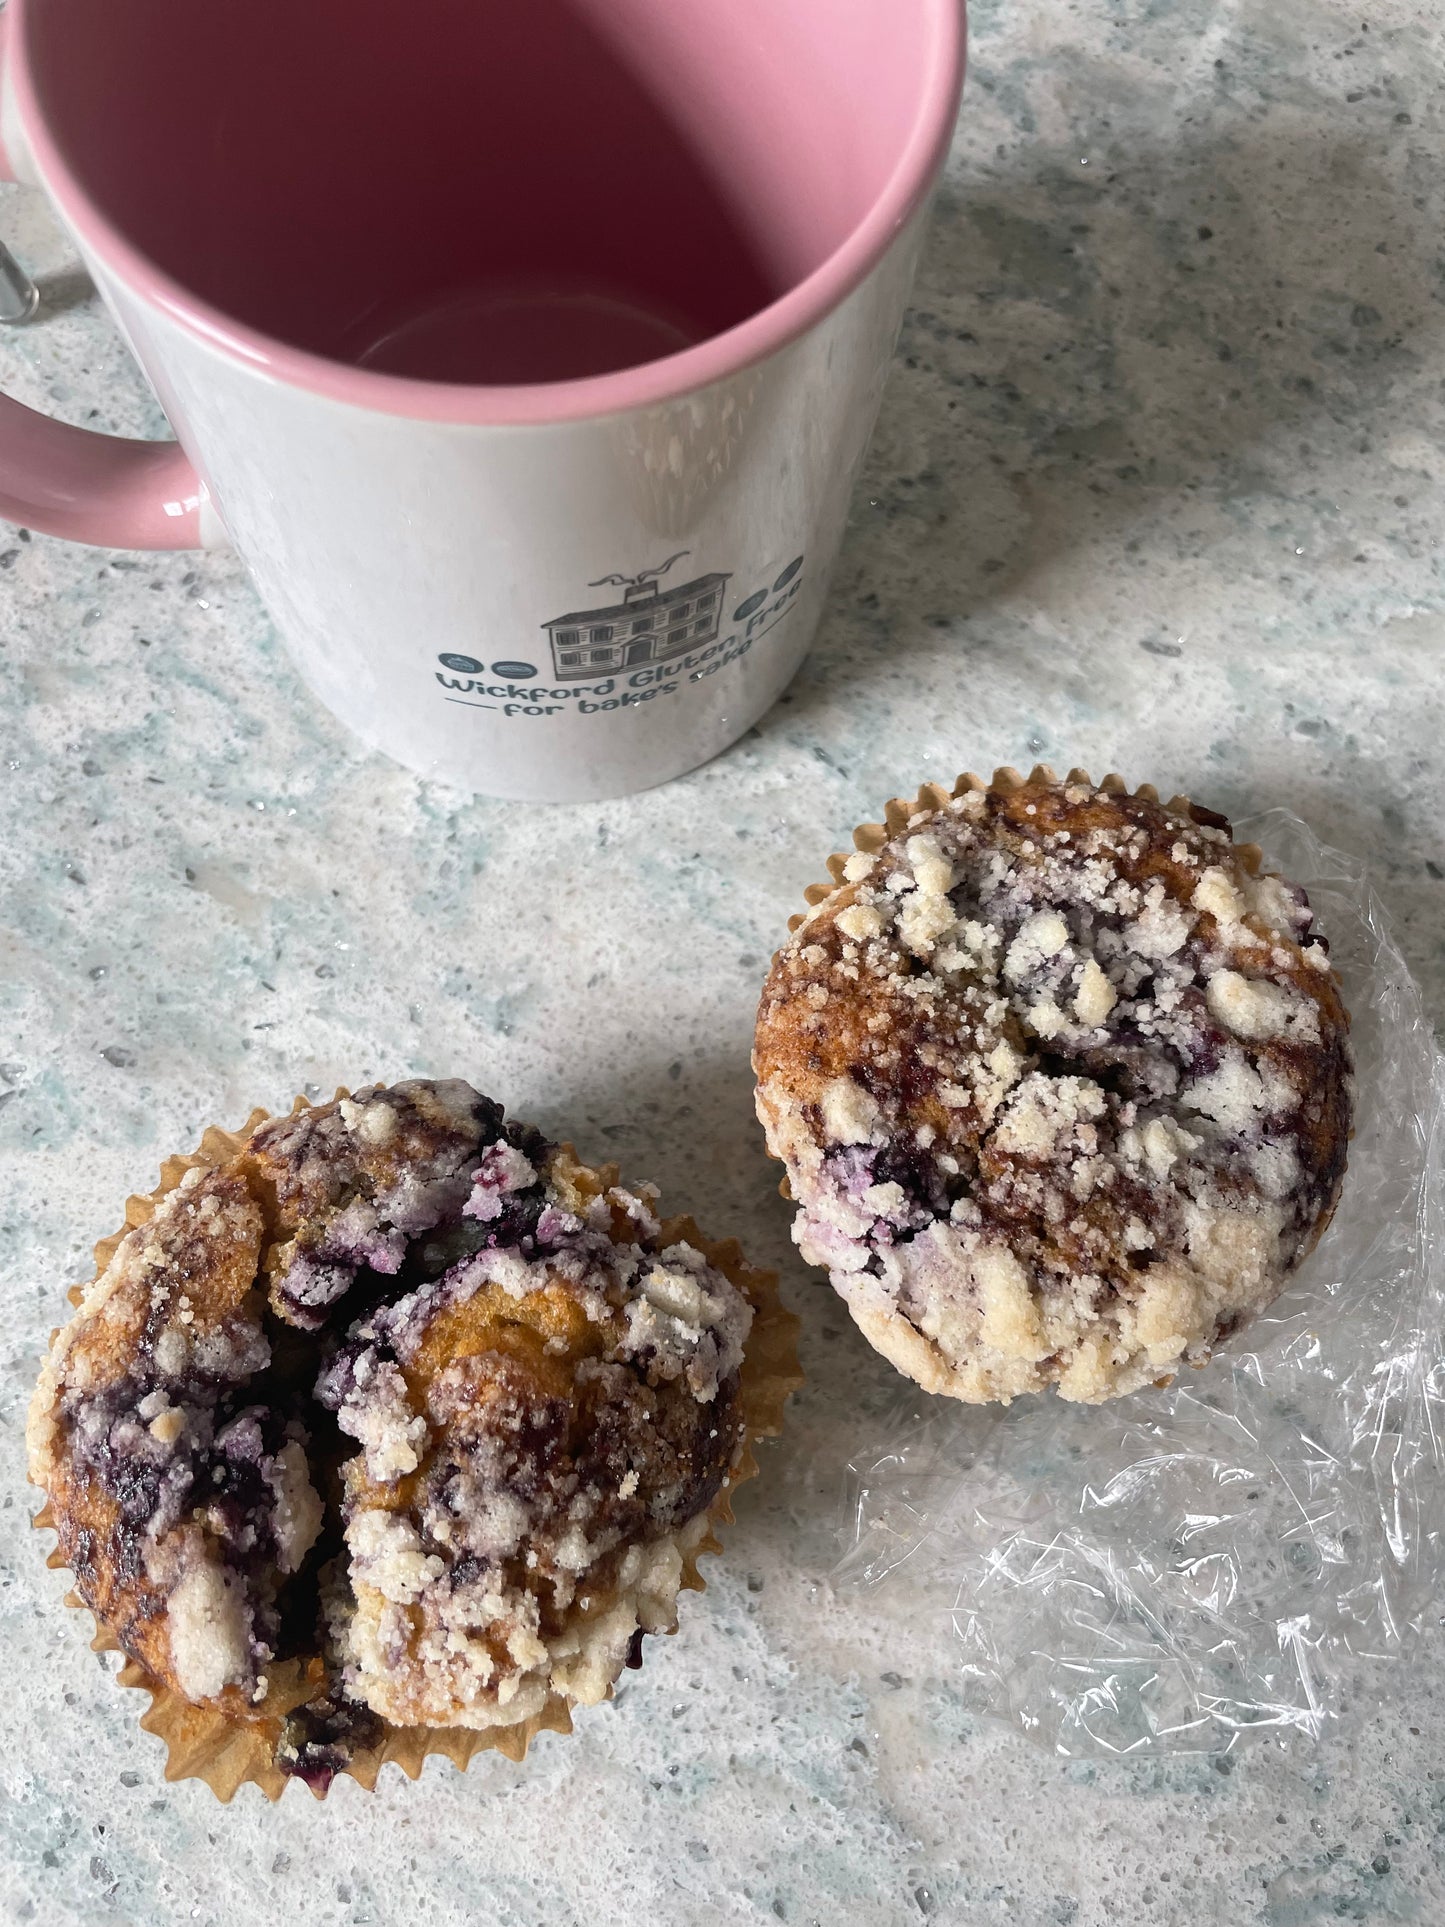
[(203, 1744), (899, 814)]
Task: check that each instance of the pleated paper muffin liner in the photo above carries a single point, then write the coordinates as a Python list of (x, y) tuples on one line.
[(203, 1743)]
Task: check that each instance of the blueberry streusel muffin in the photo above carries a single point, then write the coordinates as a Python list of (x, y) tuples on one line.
[(391, 1419), (1061, 1083)]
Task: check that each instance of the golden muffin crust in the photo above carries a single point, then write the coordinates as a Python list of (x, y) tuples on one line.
[(1062, 1086), (398, 1418), (137, 1436)]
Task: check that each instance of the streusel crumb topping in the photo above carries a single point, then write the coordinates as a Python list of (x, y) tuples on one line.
[(1061, 1085), (402, 1415)]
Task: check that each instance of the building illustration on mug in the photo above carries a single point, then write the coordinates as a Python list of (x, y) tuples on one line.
[(649, 624)]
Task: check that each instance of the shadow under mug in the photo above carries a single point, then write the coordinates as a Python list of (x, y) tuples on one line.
[(526, 354)]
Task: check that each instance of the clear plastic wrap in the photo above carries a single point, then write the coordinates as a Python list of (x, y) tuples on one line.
[(1181, 1567)]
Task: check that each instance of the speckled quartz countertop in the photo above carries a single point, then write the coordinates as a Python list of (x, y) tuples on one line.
[(1157, 487)]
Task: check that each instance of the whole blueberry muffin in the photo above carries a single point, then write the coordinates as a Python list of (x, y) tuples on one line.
[(1061, 1082), (397, 1419)]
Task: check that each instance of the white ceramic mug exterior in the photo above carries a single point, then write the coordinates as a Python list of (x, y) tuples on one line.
[(544, 609), (435, 581)]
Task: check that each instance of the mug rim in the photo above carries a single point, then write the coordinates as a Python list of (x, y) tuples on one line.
[(533, 404)]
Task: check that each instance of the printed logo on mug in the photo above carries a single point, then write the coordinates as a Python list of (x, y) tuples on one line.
[(526, 354)]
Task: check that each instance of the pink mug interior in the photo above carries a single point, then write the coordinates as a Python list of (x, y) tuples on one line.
[(491, 192)]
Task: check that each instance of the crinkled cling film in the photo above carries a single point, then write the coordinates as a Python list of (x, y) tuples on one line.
[(1186, 1566)]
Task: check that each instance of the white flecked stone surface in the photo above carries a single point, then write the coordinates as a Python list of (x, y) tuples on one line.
[(1157, 487)]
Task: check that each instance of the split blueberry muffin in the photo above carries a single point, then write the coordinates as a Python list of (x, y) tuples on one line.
[(1061, 1083), (393, 1420)]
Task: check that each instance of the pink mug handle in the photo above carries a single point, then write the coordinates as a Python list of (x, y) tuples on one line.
[(102, 489)]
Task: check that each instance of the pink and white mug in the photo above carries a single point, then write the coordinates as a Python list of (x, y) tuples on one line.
[(525, 349)]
